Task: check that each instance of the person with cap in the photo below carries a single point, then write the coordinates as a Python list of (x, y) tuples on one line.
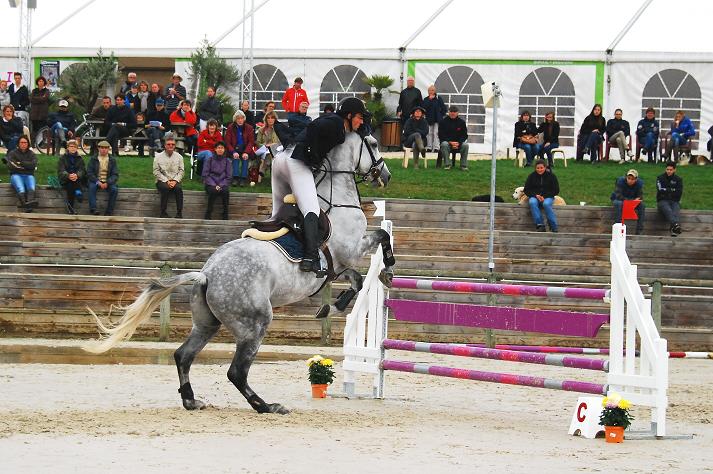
[(541, 187), (174, 93), (217, 173), (669, 190), (72, 173), (157, 123), (21, 163), (209, 108), (525, 137), (292, 170), (120, 120), (240, 142), (293, 97), (629, 188), (11, 128), (453, 135), (103, 174), (409, 99), (414, 134), (168, 170), (647, 134), (62, 123)]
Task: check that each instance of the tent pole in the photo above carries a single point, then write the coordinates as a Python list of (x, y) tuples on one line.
[(242, 20), (62, 22)]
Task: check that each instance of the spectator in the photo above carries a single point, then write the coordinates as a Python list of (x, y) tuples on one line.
[(618, 132), (62, 123), (120, 120), (39, 104), (592, 133), (217, 172), (328, 109), (260, 116), (647, 134), (453, 136), (131, 99), (628, 188), (209, 108), (168, 170), (240, 145), (669, 189), (435, 112), (4, 94), (10, 128), (21, 163), (140, 125), (72, 174), (682, 130), (293, 97), (154, 95), (206, 143), (100, 112), (409, 99), (299, 121), (157, 124), (174, 93), (20, 98), (129, 83), (541, 187), (103, 174), (414, 134), (142, 105), (249, 114), (266, 137), (186, 116), (550, 130), (526, 137)]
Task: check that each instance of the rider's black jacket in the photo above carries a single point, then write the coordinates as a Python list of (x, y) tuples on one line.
[(318, 138)]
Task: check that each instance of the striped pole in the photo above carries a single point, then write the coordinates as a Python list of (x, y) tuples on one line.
[(587, 350), (495, 377), (501, 289), (498, 354)]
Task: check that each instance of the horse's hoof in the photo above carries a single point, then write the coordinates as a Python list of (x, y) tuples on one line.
[(277, 408), (193, 404), (386, 278), (323, 312)]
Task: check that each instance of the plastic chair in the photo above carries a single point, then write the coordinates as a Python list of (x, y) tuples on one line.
[(609, 147)]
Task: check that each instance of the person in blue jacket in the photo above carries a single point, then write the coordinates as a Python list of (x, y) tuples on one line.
[(647, 134), (682, 130), (627, 188)]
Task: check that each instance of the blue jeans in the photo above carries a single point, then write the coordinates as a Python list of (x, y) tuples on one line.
[(639, 212), (530, 151), (204, 155), (677, 139), (547, 151), (59, 133), (11, 143), (240, 168), (22, 182), (649, 142), (593, 142), (549, 212), (113, 191)]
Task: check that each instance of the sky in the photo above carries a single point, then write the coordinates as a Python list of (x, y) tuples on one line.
[(509, 25)]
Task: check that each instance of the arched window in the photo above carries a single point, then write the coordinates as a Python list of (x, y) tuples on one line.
[(460, 86), (269, 84), (668, 91), (548, 89), (341, 82)]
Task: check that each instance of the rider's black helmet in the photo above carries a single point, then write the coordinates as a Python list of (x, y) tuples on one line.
[(352, 105)]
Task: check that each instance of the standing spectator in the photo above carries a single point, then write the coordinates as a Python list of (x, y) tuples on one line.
[(217, 173), (209, 108), (647, 134), (409, 99), (260, 116), (669, 189), (453, 136), (206, 143), (266, 137), (71, 173), (299, 121), (249, 114), (550, 130), (629, 188), (293, 97), (682, 130), (20, 98), (39, 104), (187, 116), (100, 112), (10, 128), (592, 132), (154, 95), (103, 174), (618, 132), (157, 123), (120, 120), (62, 123), (21, 163), (174, 93), (142, 105), (240, 144), (526, 137), (541, 187), (129, 83), (168, 170), (435, 112), (414, 134), (4, 94)]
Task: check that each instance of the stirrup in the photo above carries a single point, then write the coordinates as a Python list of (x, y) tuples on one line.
[(310, 265)]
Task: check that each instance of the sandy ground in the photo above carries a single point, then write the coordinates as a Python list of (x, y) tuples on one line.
[(72, 418)]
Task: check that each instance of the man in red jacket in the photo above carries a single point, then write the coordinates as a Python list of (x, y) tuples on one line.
[(293, 97)]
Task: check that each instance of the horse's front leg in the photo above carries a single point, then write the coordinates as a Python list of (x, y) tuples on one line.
[(366, 246)]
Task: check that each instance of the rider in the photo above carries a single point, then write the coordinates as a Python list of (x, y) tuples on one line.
[(295, 169)]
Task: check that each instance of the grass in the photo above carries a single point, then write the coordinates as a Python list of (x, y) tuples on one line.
[(580, 181)]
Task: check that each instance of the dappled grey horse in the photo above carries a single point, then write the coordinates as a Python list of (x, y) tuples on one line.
[(244, 279)]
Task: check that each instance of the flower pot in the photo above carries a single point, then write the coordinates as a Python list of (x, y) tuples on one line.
[(614, 434), (319, 390)]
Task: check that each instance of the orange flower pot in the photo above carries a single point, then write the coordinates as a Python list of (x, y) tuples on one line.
[(319, 390), (614, 434)]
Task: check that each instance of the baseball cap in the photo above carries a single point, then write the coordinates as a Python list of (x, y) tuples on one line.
[(160, 101), (453, 108), (63, 103), (104, 144), (633, 173)]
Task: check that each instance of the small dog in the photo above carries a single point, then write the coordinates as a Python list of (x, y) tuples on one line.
[(486, 198), (519, 196)]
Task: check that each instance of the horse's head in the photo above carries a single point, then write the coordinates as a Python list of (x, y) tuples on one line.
[(370, 166)]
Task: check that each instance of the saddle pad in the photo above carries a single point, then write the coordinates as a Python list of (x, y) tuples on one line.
[(292, 249)]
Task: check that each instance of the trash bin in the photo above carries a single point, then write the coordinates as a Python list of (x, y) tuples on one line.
[(391, 133)]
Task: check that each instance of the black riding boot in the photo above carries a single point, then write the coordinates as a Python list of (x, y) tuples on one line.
[(310, 261)]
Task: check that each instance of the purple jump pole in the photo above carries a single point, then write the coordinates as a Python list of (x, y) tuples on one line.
[(497, 354), (495, 377), (501, 289), (548, 349)]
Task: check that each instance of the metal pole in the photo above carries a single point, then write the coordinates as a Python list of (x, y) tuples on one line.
[(242, 20), (251, 57), (491, 223), (628, 26), (242, 58)]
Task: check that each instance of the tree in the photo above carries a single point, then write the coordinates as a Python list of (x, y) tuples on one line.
[(375, 103), (209, 69), (84, 83)]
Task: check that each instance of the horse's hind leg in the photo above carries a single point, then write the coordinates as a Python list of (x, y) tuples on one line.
[(345, 297), (205, 325)]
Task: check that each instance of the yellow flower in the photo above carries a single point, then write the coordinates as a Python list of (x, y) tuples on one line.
[(624, 404), (314, 359), (327, 362)]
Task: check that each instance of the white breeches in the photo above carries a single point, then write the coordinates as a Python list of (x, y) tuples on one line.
[(293, 176)]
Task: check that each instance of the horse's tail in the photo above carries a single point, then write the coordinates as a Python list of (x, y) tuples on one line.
[(138, 311)]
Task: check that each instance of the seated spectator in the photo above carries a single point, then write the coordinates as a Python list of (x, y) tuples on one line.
[(240, 146), (20, 98), (647, 134), (4, 94), (541, 188), (103, 174), (174, 93), (154, 95), (435, 112), (266, 137), (682, 130), (102, 110), (249, 114), (206, 143), (526, 137), (628, 188), (209, 108), (414, 134), (120, 120), (550, 130), (168, 171), (669, 189), (39, 104), (453, 137), (217, 173), (132, 100), (62, 123), (72, 174), (130, 81), (188, 117), (21, 163), (10, 128), (260, 116), (328, 109), (592, 133), (293, 98), (140, 125), (618, 132), (157, 123), (299, 121)]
